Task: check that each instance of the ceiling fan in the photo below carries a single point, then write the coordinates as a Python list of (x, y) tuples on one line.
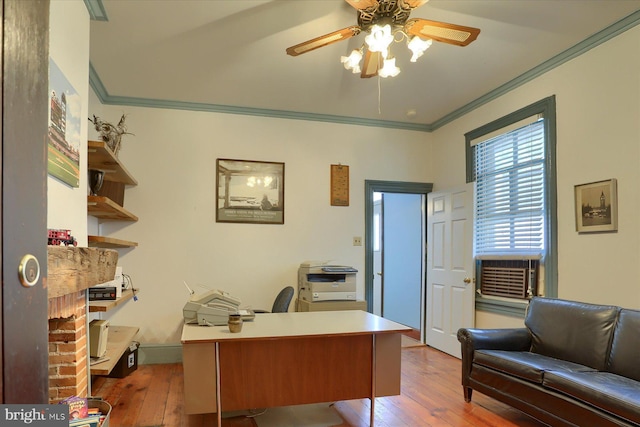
[(386, 21)]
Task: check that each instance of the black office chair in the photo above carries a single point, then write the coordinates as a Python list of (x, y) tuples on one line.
[(281, 303)]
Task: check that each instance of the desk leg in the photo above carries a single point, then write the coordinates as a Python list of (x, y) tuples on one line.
[(218, 389), (373, 380)]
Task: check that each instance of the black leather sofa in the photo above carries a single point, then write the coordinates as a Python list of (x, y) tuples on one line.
[(574, 364)]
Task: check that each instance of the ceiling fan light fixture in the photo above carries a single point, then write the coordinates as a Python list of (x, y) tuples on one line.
[(352, 62), (389, 68), (418, 46), (387, 21), (379, 39)]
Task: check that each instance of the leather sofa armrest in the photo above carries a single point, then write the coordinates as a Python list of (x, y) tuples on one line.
[(515, 339)]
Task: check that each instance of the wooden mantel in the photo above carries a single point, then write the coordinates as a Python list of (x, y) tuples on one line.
[(72, 269)]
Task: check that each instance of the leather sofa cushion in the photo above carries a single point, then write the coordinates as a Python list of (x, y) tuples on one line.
[(624, 358), (610, 392), (572, 331), (523, 364)]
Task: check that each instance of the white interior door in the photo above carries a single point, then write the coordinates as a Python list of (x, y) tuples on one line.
[(450, 278)]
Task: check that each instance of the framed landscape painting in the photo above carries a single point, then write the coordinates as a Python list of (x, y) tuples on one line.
[(249, 191), (596, 206)]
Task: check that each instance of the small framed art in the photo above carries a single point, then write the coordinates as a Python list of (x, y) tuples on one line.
[(249, 191), (597, 206), (339, 185)]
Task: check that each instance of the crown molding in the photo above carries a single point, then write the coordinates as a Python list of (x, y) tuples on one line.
[(595, 40), (96, 9), (107, 99), (584, 46)]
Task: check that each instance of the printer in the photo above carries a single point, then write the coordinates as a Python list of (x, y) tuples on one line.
[(321, 281)]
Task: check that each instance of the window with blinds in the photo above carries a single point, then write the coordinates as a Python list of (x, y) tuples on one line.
[(509, 170), (512, 161)]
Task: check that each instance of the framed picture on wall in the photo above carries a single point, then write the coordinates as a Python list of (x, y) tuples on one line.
[(596, 206), (249, 191), (63, 148)]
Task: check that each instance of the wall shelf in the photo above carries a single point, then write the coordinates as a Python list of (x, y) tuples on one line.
[(101, 157), (109, 242), (105, 208), (102, 306), (119, 339)]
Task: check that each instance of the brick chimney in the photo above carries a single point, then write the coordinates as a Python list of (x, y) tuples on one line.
[(70, 271), (68, 371)]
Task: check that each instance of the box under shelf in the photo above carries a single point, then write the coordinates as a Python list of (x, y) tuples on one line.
[(119, 338)]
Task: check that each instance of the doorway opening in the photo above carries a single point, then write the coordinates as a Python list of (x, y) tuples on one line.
[(395, 259)]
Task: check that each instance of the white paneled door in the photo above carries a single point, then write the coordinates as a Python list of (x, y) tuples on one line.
[(450, 276)]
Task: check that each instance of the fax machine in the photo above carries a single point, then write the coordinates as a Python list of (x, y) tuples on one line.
[(212, 308), (319, 281)]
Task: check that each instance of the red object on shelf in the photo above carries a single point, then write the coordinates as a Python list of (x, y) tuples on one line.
[(60, 236)]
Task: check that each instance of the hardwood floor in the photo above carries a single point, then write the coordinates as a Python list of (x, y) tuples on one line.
[(153, 396)]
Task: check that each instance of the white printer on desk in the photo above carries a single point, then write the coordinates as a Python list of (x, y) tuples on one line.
[(321, 281)]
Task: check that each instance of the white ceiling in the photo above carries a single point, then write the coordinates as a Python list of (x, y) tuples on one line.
[(229, 55)]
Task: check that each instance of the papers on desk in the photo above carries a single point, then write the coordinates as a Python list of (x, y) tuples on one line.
[(246, 314)]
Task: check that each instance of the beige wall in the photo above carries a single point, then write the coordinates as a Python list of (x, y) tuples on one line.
[(173, 157), (598, 137), (69, 48)]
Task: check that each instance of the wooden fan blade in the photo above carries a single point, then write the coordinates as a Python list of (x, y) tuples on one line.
[(441, 31), (321, 41), (362, 4), (371, 64), (414, 3)]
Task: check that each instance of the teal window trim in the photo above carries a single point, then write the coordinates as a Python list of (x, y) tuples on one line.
[(547, 108), (96, 10)]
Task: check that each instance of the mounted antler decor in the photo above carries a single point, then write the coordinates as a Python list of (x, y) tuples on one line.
[(109, 133)]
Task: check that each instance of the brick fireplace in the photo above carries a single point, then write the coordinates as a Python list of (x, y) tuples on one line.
[(70, 271), (68, 370)]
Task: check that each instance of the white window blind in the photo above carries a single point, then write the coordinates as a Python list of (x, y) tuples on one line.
[(509, 171)]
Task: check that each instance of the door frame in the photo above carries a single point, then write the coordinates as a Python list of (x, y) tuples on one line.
[(370, 187)]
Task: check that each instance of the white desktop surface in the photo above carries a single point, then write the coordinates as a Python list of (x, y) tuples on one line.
[(274, 325)]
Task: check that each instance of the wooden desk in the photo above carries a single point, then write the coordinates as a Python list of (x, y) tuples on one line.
[(282, 359)]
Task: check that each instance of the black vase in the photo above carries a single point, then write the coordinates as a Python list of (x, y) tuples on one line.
[(96, 178)]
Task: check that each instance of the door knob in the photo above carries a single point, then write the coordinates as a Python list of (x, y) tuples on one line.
[(467, 280), (29, 270), (379, 273)]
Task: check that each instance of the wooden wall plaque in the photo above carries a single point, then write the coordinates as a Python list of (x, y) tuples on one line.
[(339, 185)]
